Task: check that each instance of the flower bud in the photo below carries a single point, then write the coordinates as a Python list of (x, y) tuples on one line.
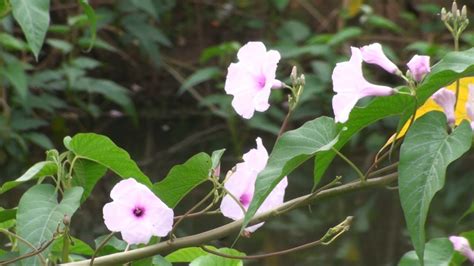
[(302, 80), (454, 9), (464, 12), (419, 66), (444, 15), (66, 220), (293, 75)]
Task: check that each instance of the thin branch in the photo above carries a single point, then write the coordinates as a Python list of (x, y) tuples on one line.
[(330, 236), (384, 170), (233, 227), (26, 242), (101, 245), (31, 254)]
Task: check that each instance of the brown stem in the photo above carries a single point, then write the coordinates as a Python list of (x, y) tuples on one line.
[(284, 125), (384, 170)]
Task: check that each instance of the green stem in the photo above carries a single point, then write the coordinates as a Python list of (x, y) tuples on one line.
[(225, 230), (65, 252), (456, 49), (351, 164)]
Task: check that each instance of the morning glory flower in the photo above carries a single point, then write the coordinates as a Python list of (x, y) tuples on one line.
[(137, 213), (446, 99), (419, 66), (251, 79), (462, 246), (350, 86), (241, 185), (470, 104), (373, 54)]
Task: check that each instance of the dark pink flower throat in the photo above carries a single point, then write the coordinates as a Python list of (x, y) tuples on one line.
[(138, 211)]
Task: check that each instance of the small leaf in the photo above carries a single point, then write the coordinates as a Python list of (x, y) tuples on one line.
[(61, 45), (183, 178), (186, 254), (424, 156), (33, 17), (199, 76), (438, 252), (102, 150), (10, 42), (38, 170), (468, 211), (280, 4), (86, 174), (216, 157), (91, 17), (16, 75), (77, 246), (7, 214), (291, 150), (39, 139), (214, 260), (147, 6), (39, 215)]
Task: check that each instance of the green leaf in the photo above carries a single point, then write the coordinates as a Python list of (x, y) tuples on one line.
[(77, 247), (160, 261), (5, 8), (91, 17), (10, 42), (216, 158), (86, 174), (16, 75), (294, 30), (438, 252), (280, 4), (424, 156), (291, 150), (186, 254), (7, 214), (39, 139), (198, 257), (453, 66), (109, 89), (38, 170), (214, 260), (114, 245), (102, 150), (33, 17), (183, 178), (63, 46), (345, 35), (147, 6), (39, 215), (468, 211), (199, 76), (383, 23)]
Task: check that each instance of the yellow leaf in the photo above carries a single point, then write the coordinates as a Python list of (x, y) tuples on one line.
[(353, 7), (430, 105)]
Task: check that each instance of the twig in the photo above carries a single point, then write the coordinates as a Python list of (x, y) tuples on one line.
[(31, 254), (101, 245), (227, 229), (330, 236), (210, 194), (26, 242), (383, 170)]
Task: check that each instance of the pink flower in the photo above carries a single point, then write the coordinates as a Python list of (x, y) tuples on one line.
[(137, 213), (373, 54), (446, 99), (241, 185), (251, 79), (470, 104), (350, 86), (462, 246), (419, 66)]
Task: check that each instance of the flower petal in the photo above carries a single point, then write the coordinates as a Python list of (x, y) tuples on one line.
[(373, 54), (446, 99), (419, 66), (117, 215)]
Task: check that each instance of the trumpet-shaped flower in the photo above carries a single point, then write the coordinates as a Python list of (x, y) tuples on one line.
[(251, 79), (470, 104), (446, 99), (350, 86), (419, 66), (137, 213), (373, 54), (241, 183), (462, 246)]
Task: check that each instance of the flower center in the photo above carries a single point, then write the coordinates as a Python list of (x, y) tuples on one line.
[(245, 199), (261, 80), (138, 211)]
